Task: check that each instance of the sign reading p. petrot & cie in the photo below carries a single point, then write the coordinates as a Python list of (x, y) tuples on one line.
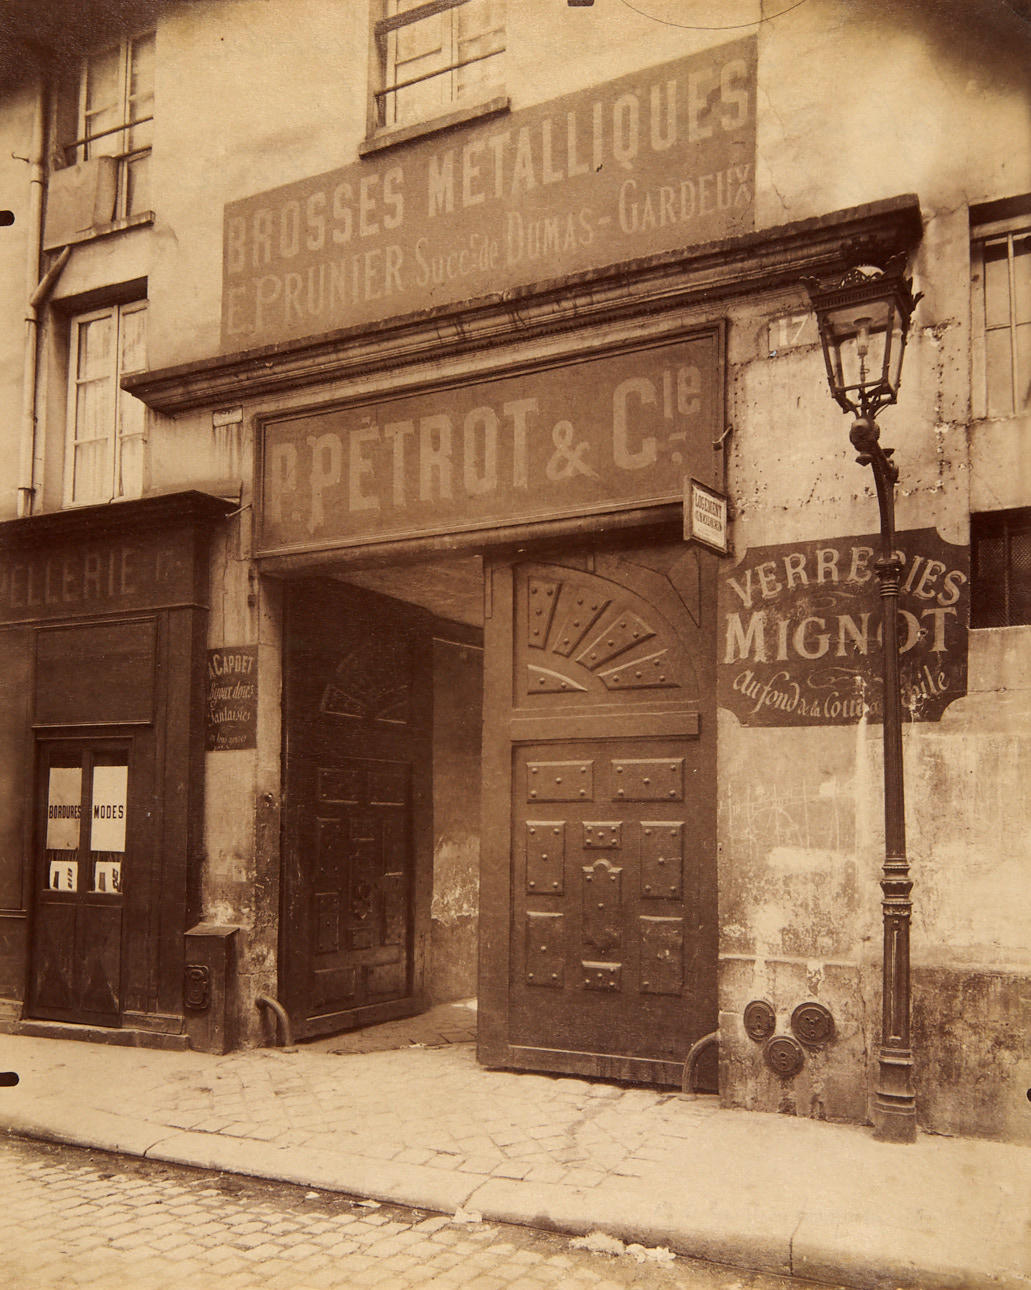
[(652, 162), (799, 631), (580, 437)]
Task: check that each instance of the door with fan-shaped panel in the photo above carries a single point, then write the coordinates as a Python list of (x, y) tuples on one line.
[(598, 891)]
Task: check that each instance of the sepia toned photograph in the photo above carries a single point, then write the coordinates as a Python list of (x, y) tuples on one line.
[(515, 644)]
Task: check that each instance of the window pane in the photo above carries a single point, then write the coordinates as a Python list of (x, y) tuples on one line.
[(108, 810), (1022, 277), (94, 411), (1020, 577), (133, 357), (141, 78), (137, 184), (103, 102), (996, 285), (998, 361), (92, 471), (64, 808), (988, 590), (141, 93), (95, 342), (1023, 339)]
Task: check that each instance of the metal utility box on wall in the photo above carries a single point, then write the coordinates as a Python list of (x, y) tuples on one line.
[(79, 198), (209, 986)]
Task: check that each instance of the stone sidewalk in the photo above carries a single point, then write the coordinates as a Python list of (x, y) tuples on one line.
[(424, 1125)]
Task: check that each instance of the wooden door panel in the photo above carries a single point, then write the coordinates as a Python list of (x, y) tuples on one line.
[(358, 706), (83, 859), (601, 754)]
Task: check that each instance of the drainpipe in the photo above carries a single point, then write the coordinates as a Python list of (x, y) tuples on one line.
[(37, 293)]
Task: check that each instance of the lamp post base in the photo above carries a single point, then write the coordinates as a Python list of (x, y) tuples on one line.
[(894, 1104), (893, 1123)]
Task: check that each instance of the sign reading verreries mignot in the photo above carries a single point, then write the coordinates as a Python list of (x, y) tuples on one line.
[(653, 162), (581, 437), (799, 631), (232, 716)]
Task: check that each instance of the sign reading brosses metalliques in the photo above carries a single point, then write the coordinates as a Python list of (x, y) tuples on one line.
[(800, 631), (655, 161)]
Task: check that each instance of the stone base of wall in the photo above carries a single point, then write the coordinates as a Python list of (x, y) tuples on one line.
[(972, 1052), (831, 1084), (453, 954)]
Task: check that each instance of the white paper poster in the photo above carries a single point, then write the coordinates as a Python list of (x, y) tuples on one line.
[(64, 875), (107, 814), (64, 807)]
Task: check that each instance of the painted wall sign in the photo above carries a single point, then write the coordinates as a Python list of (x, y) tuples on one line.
[(93, 575), (654, 161), (586, 436), (800, 638), (232, 716)]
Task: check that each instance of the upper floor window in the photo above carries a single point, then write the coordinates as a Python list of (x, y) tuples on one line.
[(1002, 317), (106, 426), (436, 56), (116, 117)]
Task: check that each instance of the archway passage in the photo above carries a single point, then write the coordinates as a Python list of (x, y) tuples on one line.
[(357, 831)]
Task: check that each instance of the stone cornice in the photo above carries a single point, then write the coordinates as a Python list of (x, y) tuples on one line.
[(766, 260)]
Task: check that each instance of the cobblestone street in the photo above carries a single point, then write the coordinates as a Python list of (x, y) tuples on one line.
[(82, 1218)]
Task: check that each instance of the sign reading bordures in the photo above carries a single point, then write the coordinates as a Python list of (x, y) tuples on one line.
[(800, 631), (655, 161)]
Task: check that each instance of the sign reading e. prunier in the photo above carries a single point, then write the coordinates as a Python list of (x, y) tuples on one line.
[(652, 162), (584, 436)]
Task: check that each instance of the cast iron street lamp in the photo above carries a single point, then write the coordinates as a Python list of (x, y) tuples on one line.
[(864, 323)]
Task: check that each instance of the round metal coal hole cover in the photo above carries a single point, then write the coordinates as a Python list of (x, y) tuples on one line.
[(760, 1020), (812, 1023), (784, 1056)]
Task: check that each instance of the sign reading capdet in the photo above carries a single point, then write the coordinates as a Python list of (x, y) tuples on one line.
[(648, 163), (581, 437), (800, 631)]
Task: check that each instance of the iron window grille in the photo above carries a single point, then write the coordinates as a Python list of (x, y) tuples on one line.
[(1000, 584), (436, 55)]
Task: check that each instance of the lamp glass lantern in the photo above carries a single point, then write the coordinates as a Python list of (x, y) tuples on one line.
[(864, 325)]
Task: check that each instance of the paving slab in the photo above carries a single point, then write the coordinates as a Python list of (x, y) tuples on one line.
[(423, 1125)]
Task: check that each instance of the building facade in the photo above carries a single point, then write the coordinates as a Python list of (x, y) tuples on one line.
[(374, 374)]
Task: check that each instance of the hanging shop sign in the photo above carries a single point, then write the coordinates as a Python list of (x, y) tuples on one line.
[(653, 162), (706, 517), (799, 632), (232, 708), (582, 437)]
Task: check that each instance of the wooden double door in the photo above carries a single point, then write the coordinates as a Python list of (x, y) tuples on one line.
[(357, 873), (83, 851), (598, 881)]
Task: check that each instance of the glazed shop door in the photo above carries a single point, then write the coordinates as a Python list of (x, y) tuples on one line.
[(82, 830), (358, 845), (598, 890)]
